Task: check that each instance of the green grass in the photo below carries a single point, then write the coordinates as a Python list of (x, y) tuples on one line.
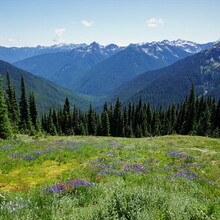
[(169, 177)]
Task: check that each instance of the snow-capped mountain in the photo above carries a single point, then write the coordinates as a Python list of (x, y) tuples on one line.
[(170, 51), (172, 83), (69, 65), (98, 70), (106, 51)]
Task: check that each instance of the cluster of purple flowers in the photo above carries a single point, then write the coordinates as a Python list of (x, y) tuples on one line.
[(68, 186), (119, 168), (187, 174), (185, 165), (178, 154), (135, 168), (29, 157), (23, 156), (37, 152)]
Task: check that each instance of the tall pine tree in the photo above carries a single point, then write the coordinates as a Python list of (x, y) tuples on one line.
[(5, 126), (34, 112), (12, 104), (25, 121)]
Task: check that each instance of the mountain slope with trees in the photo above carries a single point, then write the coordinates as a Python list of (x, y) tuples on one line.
[(171, 84), (47, 93)]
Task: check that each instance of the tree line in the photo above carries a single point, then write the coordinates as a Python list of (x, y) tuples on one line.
[(194, 116)]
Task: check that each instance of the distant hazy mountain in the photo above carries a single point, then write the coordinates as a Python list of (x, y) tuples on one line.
[(172, 83), (13, 54), (106, 76), (98, 70), (48, 94), (65, 68)]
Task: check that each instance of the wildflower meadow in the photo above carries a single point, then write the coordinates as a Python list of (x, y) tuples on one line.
[(169, 177)]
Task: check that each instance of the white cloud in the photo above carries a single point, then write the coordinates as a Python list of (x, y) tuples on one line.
[(11, 40), (59, 35), (154, 22), (87, 23)]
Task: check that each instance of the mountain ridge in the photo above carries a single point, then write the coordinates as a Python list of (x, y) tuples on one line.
[(171, 83), (48, 94), (89, 69)]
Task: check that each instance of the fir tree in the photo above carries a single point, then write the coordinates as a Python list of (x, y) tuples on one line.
[(5, 126), (156, 125), (34, 112), (217, 116), (12, 104), (105, 124), (204, 126), (190, 117), (67, 124), (25, 121), (51, 129), (92, 126), (117, 120)]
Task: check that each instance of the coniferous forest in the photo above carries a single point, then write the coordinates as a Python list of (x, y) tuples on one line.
[(194, 116)]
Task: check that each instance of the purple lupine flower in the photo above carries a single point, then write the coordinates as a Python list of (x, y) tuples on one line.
[(174, 154), (29, 157), (69, 184), (135, 168)]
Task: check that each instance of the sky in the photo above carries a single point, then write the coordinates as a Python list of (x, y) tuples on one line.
[(49, 22)]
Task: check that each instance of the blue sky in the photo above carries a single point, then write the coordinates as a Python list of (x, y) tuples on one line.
[(48, 22)]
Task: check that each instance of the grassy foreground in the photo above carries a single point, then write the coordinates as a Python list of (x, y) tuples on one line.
[(170, 177)]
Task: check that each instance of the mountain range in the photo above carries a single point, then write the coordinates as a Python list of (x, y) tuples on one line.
[(171, 84), (99, 70), (65, 68), (159, 72), (13, 54)]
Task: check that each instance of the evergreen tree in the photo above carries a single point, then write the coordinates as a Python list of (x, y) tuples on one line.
[(156, 125), (98, 125), (67, 123), (217, 116), (105, 124), (25, 121), (5, 126), (204, 126), (51, 129), (92, 126), (149, 118), (55, 121), (34, 112), (12, 104), (117, 120), (189, 125)]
